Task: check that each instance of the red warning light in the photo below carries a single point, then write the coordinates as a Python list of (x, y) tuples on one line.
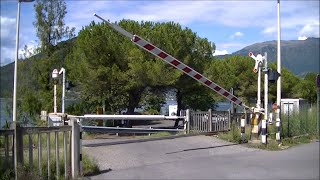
[(250, 54), (254, 70), (274, 106)]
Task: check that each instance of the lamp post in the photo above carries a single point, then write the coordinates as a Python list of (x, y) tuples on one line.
[(278, 112), (14, 110), (55, 75), (63, 71), (14, 105), (318, 102)]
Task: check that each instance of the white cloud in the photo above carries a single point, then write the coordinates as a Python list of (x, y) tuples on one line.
[(28, 50), (231, 45), (218, 52), (243, 14), (296, 17), (7, 39), (79, 18), (6, 23), (236, 34), (222, 12), (240, 14), (310, 30), (302, 38), (269, 30), (184, 12), (7, 55)]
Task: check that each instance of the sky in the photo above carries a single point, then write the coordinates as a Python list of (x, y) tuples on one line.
[(231, 25)]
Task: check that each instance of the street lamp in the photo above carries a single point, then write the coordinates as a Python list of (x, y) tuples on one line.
[(63, 71), (14, 111), (55, 76), (14, 106), (278, 112)]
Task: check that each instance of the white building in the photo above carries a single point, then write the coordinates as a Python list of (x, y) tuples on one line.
[(173, 109), (293, 105)]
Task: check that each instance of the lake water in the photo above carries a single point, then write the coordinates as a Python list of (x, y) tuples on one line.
[(4, 116)]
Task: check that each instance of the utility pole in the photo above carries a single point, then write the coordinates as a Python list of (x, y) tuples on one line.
[(318, 102), (278, 113), (232, 105), (15, 77)]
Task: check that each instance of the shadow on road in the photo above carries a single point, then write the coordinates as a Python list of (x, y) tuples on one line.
[(97, 173), (194, 149)]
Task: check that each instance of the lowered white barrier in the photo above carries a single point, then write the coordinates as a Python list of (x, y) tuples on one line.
[(130, 117)]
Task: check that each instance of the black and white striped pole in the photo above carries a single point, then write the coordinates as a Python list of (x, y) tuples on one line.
[(264, 131), (80, 149), (278, 130), (243, 130), (266, 112)]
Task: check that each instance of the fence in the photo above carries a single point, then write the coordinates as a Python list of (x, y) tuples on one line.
[(236, 118), (208, 121), (25, 138)]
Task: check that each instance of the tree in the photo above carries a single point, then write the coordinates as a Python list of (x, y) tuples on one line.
[(153, 99), (288, 84), (192, 50), (50, 24), (307, 88), (109, 68), (234, 72)]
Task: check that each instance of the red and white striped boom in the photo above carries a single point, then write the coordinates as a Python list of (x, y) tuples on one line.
[(175, 63)]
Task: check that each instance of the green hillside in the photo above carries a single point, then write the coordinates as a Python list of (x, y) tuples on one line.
[(6, 79), (6, 72)]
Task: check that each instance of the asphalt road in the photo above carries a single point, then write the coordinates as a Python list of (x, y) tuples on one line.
[(200, 157)]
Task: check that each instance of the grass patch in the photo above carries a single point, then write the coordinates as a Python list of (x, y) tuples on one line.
[(156, 135), (273, 145), (89, 167), (160, 134), (297, 128), (27, 172), (234, 135), (302, 123)]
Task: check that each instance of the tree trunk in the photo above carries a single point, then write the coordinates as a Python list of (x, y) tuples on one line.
[(179, 103), (134, 98)]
